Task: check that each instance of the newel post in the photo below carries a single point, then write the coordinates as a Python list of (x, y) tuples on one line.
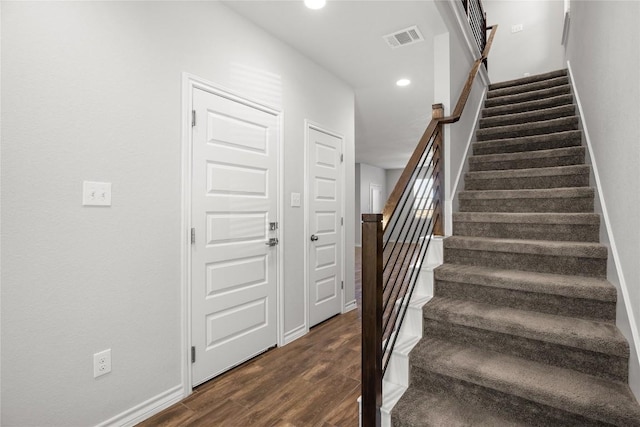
[(438, 149), (371, 319)]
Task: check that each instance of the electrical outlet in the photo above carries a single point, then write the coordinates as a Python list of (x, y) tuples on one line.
[(295, 200), (96, 193), (517, 28), (102, 363)]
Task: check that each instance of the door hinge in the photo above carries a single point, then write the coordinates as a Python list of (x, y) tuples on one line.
[(193, 118), (341, 220), (193, 235), (342, 284), (193, 354), (341, 158)]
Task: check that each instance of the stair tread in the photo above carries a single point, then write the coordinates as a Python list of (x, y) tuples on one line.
[(419, 408), (535, 193), (539, 247), (541, 114), (528, 218), (590, 335), (526, 96), (527, 106), (561, 388), (528, 126), (548, 283), (529, 79), (519, 173), (529, 86), (527, 155), (570, 135)]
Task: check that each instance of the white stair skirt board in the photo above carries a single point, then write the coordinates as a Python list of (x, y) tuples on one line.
[(396, 379)]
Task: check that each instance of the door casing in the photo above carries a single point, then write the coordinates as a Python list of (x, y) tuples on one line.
[(308, 125), (189, 83)]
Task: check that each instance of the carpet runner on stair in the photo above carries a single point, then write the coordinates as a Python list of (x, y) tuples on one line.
[(521, 330)]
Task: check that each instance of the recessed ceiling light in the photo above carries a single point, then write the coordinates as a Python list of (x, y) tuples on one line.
[(403, 82), (315, 4)]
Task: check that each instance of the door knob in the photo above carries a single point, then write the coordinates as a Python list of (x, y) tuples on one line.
[(314, 237), (272, 241)]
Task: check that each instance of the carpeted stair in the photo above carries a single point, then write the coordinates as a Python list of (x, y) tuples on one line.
[(521, 330)]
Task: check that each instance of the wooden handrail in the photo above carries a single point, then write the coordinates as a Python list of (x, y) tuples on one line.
[(405, 177), (374, 299)]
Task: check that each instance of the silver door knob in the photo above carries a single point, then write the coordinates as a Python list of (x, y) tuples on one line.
[(314, 237), (272, 241)]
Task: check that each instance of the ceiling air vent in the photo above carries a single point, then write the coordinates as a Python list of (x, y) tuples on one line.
[(404, 37)]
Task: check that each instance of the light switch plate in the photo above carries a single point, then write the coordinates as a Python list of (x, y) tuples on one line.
[(517, 28), (295, 200), (96, 193)]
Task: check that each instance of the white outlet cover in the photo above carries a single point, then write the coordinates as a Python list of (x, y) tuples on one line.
[(96, 193), (102, 363), (295, 200), (516, 28)]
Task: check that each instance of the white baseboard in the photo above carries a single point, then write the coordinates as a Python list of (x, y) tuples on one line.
[(146, 409), (633, 326), (352, 305), (295, 333)]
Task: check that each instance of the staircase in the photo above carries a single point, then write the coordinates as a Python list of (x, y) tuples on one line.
[(521, 329)]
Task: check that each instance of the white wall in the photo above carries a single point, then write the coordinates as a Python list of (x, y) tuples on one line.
[(604, 57), (536, 49), (454, 56), (460, 135), (92, 91)]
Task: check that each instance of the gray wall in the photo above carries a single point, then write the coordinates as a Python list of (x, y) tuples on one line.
[(92, 91), (391, 177), (604, 57), (534, 50)]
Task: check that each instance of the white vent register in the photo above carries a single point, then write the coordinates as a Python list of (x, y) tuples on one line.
[(404, 37)]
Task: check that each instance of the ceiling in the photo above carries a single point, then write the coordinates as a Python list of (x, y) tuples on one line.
[(346, 39)]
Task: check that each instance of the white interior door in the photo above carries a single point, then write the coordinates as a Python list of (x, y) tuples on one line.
[(234, 198), (325, 226)]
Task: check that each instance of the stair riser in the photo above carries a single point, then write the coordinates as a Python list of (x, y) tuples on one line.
[(569, 265), (527, 96), (568, 205), (582, 308), (545, 142), (507, 230), (539, 104), (524, 130), (528, 80), (514, 90), (603, 365), (537, 182), (535, 116), (543, 162), (521, 409)]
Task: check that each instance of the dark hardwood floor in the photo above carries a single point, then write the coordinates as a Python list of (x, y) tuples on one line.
[(314, 381)]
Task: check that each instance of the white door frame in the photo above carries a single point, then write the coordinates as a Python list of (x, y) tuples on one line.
[(308, 125), (189, 83)]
